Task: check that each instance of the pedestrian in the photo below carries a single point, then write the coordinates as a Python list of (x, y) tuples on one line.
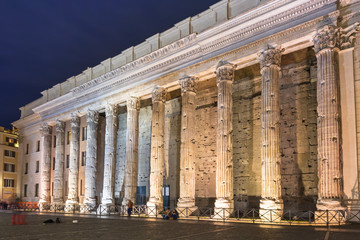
[(130, 206)]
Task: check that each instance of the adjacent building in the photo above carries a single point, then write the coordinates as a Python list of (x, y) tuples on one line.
[(250, 104), (10, 179)]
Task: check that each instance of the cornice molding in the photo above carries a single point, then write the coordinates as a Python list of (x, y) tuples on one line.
[(225, 39)]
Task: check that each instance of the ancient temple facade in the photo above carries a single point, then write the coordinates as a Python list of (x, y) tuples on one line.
[(250, 104)]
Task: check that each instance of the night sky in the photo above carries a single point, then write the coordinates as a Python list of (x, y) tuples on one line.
[(44, 42)]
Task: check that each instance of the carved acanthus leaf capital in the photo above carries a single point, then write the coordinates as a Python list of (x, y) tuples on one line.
[(133, 103), (60, 126), (159, 94), (347, 36), (225, 71), (21, 139), (188, 84), (45, 129), (74, 121), (327, 37), (111, 110), (270, 57), (92, 117)]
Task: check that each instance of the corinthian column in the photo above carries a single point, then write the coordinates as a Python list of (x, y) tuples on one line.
[(270, 62), (224, 143), (330, 191), (110, 153), (73, 198), (157, 148), (187, 146), (59, 165), (91, 159), (45, 168), (132, 135)]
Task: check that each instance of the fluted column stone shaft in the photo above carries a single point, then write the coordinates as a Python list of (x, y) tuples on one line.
[(111, 112), (132, 136), (330, 190), (270, 65), (91, 158), (188, 141), (73, 197), (59, 163), (224, 144), (157, 147), (45, 167)]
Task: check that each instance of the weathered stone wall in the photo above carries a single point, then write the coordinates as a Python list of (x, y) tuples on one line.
[(247, 137), (298, 132), (172, 147), (205, 150), (120, 155)]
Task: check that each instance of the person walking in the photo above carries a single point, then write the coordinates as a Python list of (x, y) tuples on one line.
[(130, 207)]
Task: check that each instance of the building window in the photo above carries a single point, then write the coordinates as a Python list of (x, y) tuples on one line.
[(84, 133), (8, 167), (67, 161), (54, 141), (9, 183), (36, 190), (11, 141), (26, 168), (37, 166), (52, 189), (68, 137), (25, 190), (38, 146), (27, 148), (9, 153), (53, 163), (83, 158)]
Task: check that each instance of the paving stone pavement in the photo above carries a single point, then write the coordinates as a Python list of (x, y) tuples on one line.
[(92, 227)]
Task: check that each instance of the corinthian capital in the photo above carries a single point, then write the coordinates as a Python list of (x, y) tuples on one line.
[(159, 94), (45, 129), (188, 84), (92, 117), (271, 57), (60, 126), (75, 120), (111, 110), (224, 71), (327, 37), (347, 36), (133, 103)]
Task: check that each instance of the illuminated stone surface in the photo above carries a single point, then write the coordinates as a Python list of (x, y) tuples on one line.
[(258, 133)]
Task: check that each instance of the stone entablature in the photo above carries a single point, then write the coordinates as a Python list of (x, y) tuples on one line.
[(214, 160), (233, 32)]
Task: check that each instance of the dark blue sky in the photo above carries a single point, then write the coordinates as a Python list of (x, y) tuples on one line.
[(43, 42)]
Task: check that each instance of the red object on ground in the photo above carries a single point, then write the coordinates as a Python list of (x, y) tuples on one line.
[(18, 219)]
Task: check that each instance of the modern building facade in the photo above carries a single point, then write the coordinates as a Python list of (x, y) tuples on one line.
[(250, 104), (9, 178)]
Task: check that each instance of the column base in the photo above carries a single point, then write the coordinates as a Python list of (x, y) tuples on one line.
[(106, 208), (89, 205), (44, 205), (71, 206), (223, 208), (353, 207), (186, 207), (154, 207), (330, 211), (271, 210), (57, 206)]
